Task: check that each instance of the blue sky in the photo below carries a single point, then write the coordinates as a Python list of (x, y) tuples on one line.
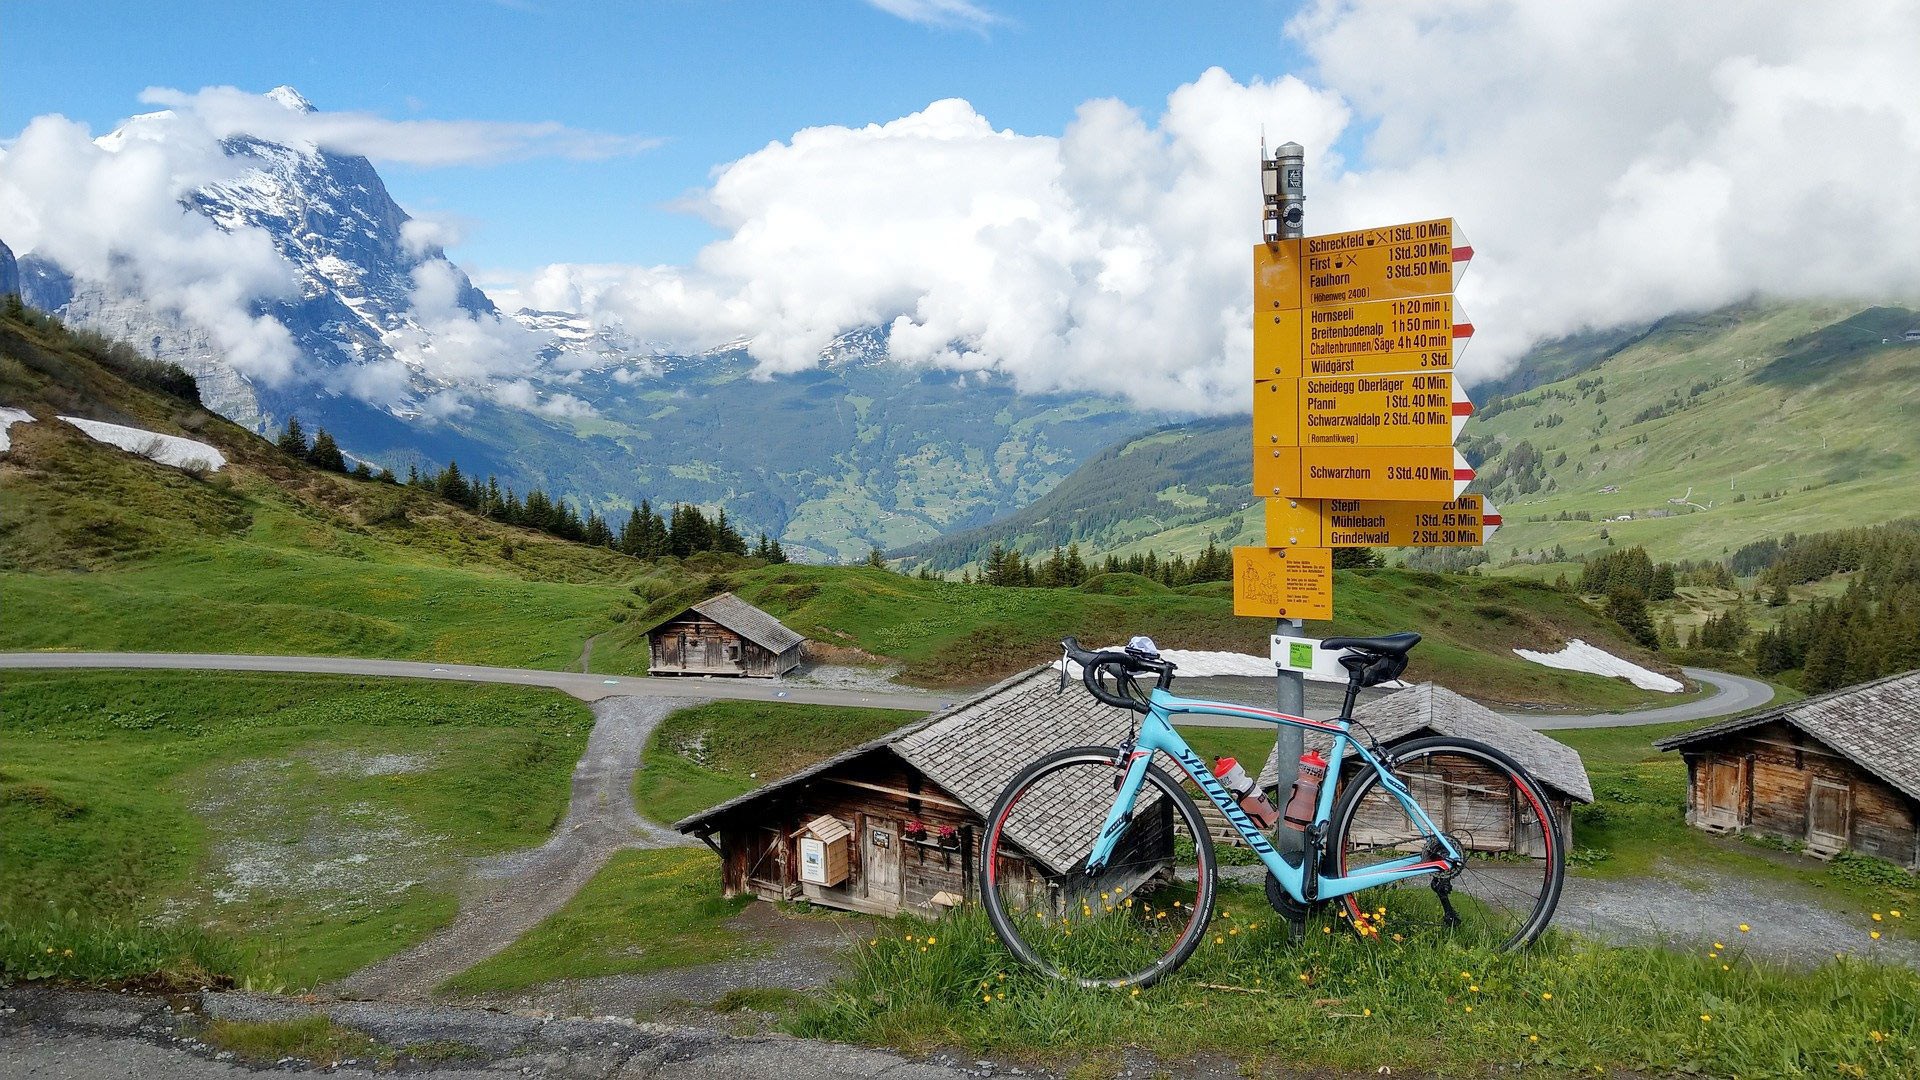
[(715, 81)]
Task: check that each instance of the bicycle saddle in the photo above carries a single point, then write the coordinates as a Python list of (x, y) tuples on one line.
[(1390, 645)]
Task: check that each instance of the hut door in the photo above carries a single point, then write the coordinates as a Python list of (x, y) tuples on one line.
[(880, 844), (1722, 794), (1827, 815)]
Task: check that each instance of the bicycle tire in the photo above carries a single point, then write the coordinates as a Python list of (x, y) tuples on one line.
[(1206, 869), (1555, 857)]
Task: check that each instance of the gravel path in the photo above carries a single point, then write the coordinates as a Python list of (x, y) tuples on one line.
[(506, 895)]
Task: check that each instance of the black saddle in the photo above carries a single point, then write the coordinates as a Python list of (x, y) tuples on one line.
[(1374, 660)]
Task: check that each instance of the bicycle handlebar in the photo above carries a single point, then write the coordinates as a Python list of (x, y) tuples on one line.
[(1092, 663)]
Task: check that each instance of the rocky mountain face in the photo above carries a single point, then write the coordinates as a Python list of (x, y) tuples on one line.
[(9, 272), (857, 453)]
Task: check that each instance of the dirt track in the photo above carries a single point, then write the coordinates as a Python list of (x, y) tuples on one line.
[(506, 895)]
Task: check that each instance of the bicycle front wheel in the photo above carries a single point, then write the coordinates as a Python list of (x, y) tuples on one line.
[(1136, 919), (1492, 811)]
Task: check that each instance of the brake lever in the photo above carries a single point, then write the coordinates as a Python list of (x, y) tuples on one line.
[(1063, 672)]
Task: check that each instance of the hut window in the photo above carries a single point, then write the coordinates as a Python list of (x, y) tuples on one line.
[(823, 851)]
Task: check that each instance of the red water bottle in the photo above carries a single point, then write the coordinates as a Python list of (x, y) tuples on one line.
[(1306, 790), (1235, 779)]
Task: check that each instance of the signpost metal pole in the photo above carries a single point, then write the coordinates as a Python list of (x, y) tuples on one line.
[(1286, 216)]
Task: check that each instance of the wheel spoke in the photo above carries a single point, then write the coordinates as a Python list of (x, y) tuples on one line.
[(1506, 886), (1128, 924)]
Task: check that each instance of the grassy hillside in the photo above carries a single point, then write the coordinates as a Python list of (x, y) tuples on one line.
[(290, 827), (1768, 418), (950, 635), (100, 548), (1711, 433)]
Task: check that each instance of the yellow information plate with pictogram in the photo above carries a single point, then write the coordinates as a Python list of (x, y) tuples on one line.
[(1283, 583), (1462, 522), (1389, 262), (1397, 409), (1337, 338)]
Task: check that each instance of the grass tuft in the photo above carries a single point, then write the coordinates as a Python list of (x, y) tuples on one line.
[(1563, 1007)]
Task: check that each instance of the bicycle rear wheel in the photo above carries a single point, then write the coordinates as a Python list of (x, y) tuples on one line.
[(1490, 808), (1135, 921)]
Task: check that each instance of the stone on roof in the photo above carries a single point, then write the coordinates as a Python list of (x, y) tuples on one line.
[(749, 622), (1876, 725), (1427, 707)]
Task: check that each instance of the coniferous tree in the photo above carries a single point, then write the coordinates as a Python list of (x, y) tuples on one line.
[(362, 471), (293, 439), (386, 477), (325, 453), (1628, 608)]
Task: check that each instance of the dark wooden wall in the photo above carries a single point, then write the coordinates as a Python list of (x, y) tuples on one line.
[(696, 645), (1776, 779), (876, 796)]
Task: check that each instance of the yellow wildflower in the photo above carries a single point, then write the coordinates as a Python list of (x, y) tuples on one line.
[(1744, 928), (1547, 996), (1706, 1018), (1533, 1038), (932, 940), (1876, 917), (1366, 1012), (1874, 934)]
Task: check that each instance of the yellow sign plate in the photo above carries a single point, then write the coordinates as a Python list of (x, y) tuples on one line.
[(1401, 409), (1350, 523), (1276, 277), (1418, 331), (1415, 259), (1283, 583), (1276, 412), (1390, 473), (1276, 344)]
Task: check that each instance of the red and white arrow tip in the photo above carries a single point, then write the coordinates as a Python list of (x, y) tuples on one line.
[(1463, 474)]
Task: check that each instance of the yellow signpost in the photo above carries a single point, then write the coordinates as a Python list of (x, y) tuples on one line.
[(1398, 409), (1464, 522), (1355, 405), (1283, 583), (1415, 259)]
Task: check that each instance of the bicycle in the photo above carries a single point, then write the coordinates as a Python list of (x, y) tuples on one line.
[(1087, 873)]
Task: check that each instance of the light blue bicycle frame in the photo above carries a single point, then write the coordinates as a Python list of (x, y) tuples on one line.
[(1157, 734)]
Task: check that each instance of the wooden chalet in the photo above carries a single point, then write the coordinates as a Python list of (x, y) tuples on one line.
[(1838, 772), (1481, 822), (723, 635), (895, 824)]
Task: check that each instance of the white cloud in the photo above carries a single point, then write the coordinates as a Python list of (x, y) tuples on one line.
[(1611, 162), (285, 117), (113, 215), (939, 12)]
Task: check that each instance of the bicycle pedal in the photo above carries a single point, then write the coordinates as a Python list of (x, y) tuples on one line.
[(1296, 931)]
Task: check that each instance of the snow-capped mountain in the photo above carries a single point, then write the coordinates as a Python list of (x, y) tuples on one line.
[(403, 360), (351, 251)]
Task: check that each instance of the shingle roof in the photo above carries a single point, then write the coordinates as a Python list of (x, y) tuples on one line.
[(749, 622), (1875, 724), (974, 748), (1429, 707)]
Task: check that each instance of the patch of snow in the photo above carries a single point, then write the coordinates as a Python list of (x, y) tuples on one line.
[(164, 449), (8, 418), (1580, 656)]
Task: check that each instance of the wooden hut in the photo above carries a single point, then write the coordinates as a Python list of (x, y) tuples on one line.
[(723, 635), (894, 824), (1837, 772), (1483, 823)]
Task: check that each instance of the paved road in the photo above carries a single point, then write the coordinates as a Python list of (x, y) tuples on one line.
[(81, 1035), (584, 687), (1735, 693)]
